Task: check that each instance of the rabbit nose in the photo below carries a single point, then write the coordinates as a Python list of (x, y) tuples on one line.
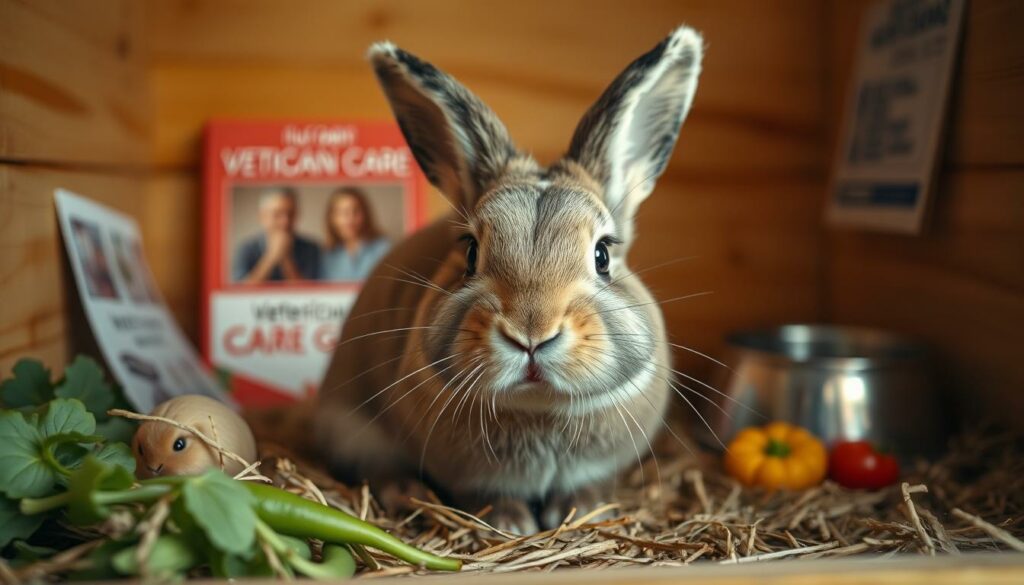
[(525, 343), (156, 470)]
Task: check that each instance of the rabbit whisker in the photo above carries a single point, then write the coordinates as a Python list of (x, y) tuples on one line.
[(698, 413), (421, 279), (639, 272), (441, 392), (639, 459), (695, 352), (396, 330), (664, 302), (664, 422), (414, 283), (377, 312), (386, 362), (452, 395), (650, 447), (698, 381), (403, 378), (487, 435)]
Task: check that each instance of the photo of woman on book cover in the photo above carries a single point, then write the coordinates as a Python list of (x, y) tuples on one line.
[(354, 243)]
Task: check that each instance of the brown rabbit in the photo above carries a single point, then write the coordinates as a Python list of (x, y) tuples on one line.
[(507, 351)]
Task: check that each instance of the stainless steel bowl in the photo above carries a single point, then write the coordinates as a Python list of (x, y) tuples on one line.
[(838, 382)]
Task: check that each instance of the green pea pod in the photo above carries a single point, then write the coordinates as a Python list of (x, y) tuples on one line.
[(170, 555), (338, 561), (294, 515)]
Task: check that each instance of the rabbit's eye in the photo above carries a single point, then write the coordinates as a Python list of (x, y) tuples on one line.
[(602, 259), (471, 252), (179, 444)]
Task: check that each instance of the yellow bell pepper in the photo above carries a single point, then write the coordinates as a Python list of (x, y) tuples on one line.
[(776, 456)]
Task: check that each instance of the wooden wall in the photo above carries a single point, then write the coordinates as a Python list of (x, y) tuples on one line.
[(742, 194), (74, 113), (961, 285), (109, 98)]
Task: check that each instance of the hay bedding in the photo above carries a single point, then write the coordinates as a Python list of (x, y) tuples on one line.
[(680, 508)]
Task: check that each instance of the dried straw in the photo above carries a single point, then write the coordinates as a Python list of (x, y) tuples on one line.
[(696, 513)]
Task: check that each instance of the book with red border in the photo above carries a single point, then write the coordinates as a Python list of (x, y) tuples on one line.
[(271, 341)]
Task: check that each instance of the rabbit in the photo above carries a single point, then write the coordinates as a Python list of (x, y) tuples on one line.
[(506, 352), (163, 449)]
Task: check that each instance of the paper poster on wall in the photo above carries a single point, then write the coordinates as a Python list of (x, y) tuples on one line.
[(890, 142), (142, 346)]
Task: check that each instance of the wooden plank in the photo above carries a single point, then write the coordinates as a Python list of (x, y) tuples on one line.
[(73, 84), (961, 287), (986, 122), (759, 107), (172, 229), (969, 569), (754, 244), (33, 312)]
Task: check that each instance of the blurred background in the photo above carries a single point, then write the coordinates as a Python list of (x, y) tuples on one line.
[(109, 99)]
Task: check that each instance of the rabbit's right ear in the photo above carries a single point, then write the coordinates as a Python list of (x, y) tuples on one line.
[(459, 143), (625, 140)]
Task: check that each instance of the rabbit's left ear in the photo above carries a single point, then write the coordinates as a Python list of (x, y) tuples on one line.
[(459, 143), (626, 138)]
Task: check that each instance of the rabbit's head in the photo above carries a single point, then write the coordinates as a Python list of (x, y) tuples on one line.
[(536, 305)]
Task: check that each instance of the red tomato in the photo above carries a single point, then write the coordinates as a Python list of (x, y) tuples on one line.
[(856, 464)]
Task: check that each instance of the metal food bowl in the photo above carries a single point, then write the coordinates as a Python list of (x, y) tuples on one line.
[(837, 382)]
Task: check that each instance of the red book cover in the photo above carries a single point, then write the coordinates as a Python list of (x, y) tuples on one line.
[(297, 213)]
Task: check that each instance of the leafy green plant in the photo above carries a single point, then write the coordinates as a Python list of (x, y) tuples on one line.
[(237, 528), (47, 429), (60, 468)]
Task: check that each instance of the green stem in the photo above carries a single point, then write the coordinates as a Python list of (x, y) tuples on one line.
[(50, 457), (776, 448), (32, 506), (142, 494)]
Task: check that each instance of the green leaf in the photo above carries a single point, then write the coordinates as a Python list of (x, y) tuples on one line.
[(23, 473), (14, 525), (36, 452), (117, 454), (66, 416), (116, 429), (29, 387), (337, 563), (84, 380), (231, 566), (223, 509), (87, 481), (171, 555), (100, 562)]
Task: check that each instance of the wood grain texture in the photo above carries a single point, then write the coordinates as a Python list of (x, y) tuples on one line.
[(960, 286), (171, 221), (33, 312), (73, 85), (758, 109), (974, 569)]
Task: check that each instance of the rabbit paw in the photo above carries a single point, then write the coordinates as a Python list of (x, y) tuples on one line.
[(513, 516), (584, 500), (394, 495)]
